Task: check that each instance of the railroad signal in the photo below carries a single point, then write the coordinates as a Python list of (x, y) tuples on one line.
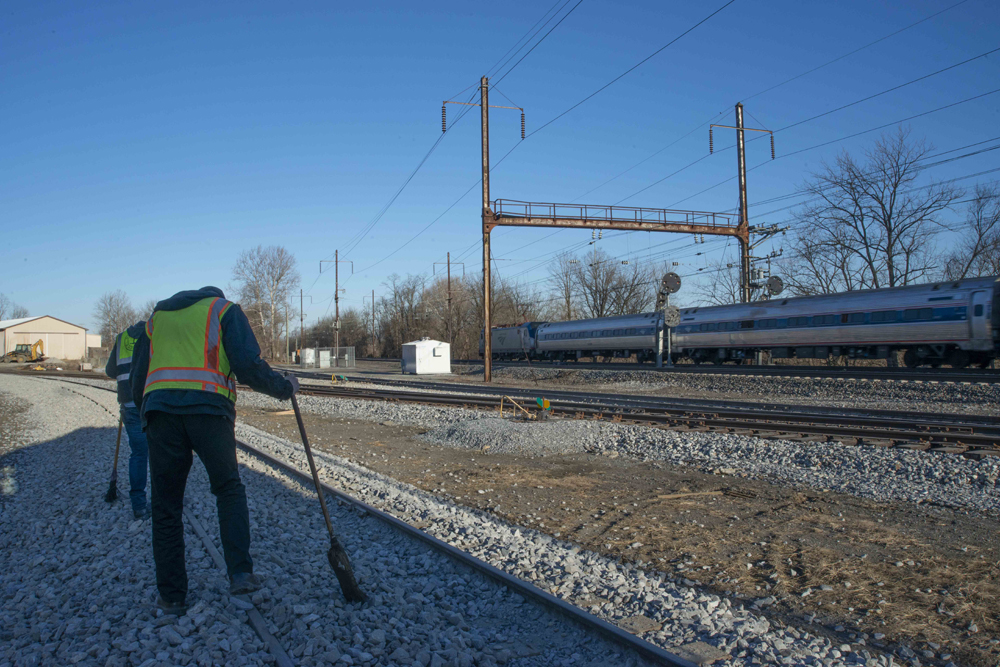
[(775, 285), (670, 283)]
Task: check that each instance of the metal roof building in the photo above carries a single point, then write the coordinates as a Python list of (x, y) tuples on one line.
[(61, 340)]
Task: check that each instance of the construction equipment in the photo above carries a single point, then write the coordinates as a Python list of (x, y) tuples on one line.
[(23, 352), (337, 556)]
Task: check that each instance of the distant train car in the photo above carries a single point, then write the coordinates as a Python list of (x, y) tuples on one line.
[(955, 323), (606, 337), (515, 342)]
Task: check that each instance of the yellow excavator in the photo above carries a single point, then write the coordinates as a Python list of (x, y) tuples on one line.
[(24, 352)]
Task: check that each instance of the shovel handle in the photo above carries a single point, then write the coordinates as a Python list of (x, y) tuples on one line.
[(312, 467), (118, 443)]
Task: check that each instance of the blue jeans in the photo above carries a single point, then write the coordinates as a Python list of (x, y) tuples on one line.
[(138, 462)]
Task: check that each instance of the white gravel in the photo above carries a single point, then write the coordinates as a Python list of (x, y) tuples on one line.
[(79, 587), (76, 575)]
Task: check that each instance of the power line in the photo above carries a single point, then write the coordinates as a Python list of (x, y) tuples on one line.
[(554, 119)]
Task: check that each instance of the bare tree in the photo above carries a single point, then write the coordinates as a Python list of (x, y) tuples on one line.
[(721, 284), (11, 310), (146, 309), (114, 313), (634, 289), (562, 278), (265, 278), (866, 225), (978, 248), (595, 279)]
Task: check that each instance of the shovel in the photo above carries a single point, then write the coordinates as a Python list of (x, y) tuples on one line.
[(112, 494), (339, 561)]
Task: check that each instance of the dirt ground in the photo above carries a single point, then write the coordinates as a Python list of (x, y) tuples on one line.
[(850, 568)]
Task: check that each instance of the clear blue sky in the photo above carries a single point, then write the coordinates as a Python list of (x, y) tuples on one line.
[(145, 145)]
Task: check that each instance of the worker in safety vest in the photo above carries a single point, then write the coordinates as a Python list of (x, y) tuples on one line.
[(184, 370), (119, 364)]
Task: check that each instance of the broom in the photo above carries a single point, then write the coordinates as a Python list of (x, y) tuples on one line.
[(112, 494), (339, 561)]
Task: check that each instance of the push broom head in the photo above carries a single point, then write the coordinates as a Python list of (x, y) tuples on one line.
[(112, 494), (345, 575)]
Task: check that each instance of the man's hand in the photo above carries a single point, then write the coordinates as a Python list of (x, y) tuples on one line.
[(294, 382)]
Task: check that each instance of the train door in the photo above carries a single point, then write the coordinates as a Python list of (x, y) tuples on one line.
[(979, 320)]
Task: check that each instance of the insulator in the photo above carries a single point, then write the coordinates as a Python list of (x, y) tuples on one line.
[(600, 234), (522, 128), (711, 145), (702, 238), (444, 118), (772, 146), (593, 234)]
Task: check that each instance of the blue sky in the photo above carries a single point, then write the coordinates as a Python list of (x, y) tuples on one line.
[(146, 146)]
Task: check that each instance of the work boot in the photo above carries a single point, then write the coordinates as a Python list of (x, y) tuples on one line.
[(172, 608), (142, 514), (242, 583)]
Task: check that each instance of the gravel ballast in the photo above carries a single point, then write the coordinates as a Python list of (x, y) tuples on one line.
[(70, 598), (878, 473)]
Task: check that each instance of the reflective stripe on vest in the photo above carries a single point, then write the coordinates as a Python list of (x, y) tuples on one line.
[(124, 344), (186, 350)]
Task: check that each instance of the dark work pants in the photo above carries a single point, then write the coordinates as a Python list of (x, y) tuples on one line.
[(172, 439)]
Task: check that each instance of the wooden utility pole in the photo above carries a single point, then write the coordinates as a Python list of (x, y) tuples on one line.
[(336, 301), (301, 318), (450, 341), (484, 103)]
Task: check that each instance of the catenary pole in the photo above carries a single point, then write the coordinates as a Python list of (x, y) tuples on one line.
[(487, 286), (744, 222)]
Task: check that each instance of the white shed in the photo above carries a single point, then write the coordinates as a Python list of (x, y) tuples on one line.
[(61, 340), (426, 356)]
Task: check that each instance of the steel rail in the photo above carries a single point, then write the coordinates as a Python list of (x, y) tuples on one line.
[(655, 402), (525, 589), (976, 376), (575, 614), (875, 428)]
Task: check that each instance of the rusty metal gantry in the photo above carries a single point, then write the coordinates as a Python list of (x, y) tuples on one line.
[(508, 213)]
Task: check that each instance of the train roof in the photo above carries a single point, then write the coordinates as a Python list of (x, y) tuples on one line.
[(603, 321), (818, 300)]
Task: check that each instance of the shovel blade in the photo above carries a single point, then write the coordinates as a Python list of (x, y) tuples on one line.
[(341, 565)]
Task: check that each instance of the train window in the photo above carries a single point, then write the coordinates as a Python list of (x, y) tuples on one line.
[(914, 314), (619, 332), (606, 332), (746, 324), (978, 310), (884, 316), (768, 324), (631, 332), (856, 318)]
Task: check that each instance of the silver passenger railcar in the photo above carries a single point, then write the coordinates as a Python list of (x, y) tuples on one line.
[(606, 337), (957, 323), (513, 342)]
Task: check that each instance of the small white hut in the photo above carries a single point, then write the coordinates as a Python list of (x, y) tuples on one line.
[(426, 356)]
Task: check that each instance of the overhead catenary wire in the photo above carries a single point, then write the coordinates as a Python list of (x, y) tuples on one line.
[(549, 122)]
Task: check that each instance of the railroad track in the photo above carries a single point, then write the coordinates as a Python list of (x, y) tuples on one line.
[(956, 434), (572, 613), (971, 436), (973, 376)]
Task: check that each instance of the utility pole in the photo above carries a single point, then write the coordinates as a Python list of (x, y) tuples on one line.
[(741, 158), (336, 300), (286, 333), (743, 227), (373, 322), (449, 299), (301, 318), (487, 215), (484, 104)]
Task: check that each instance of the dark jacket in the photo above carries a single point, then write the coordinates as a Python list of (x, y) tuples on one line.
[(116, 369), (244, 361)]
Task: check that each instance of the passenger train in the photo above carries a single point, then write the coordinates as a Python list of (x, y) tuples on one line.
[(955, 323)]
